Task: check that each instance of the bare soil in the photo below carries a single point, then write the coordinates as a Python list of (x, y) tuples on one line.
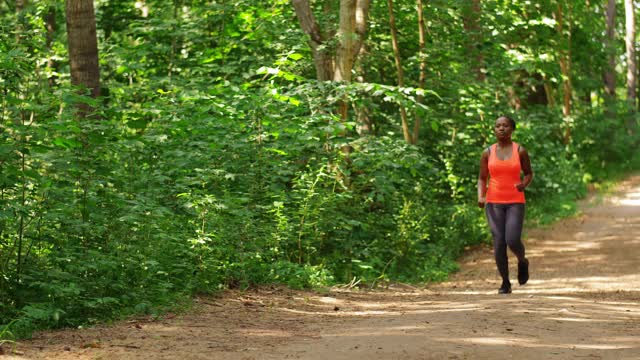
[(582, 302)]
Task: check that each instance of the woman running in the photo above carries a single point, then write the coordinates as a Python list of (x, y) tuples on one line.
[(503, 200)]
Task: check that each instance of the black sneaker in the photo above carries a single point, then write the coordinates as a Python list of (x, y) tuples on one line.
[(523, 272), (505, 288)]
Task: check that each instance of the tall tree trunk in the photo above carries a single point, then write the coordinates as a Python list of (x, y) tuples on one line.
[(352, 26), (396, 53), (423, 67), (471, 23), (346, 45), (346, 41), (83, 46), (631, 52), (365, 125), (351, 31), (610, 73)]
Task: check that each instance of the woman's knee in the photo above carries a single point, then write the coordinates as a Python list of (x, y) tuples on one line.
[(500, 246), (515, 244)]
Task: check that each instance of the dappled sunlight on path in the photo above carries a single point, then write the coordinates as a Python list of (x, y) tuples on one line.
[(583, 301)]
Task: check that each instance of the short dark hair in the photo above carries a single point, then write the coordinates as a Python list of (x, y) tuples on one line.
[(513, 122)]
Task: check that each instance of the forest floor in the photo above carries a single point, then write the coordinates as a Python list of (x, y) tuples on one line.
[(582, 302)]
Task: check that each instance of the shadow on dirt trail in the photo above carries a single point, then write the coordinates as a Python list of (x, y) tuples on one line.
[(582, 302)]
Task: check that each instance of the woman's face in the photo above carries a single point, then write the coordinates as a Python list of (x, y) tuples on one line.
[(503, 129)]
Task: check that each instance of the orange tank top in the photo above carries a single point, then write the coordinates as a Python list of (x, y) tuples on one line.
[(503, 177)]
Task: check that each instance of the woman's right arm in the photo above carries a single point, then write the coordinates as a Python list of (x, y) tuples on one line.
[(482, 178)]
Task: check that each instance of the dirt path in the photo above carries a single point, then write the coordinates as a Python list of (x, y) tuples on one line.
[(582, 302)]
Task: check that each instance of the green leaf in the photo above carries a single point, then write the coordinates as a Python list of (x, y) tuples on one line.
[(67, 143), (137, 124)]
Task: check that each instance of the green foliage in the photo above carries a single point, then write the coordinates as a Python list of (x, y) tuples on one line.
[(213, 160)]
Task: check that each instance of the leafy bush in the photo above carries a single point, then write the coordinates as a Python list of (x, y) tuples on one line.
[(213, 161)]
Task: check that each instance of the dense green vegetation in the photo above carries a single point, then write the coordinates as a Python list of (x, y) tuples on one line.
[(215, 159)]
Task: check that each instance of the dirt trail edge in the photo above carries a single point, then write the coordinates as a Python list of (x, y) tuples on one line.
[(582, 302)]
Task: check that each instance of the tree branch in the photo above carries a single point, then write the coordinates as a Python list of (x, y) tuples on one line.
[(307, 21)]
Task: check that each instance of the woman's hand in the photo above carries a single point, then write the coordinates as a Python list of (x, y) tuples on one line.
[(482, 178), (521, 187)]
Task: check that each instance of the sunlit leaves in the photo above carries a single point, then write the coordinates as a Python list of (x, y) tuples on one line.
[(218, 161)]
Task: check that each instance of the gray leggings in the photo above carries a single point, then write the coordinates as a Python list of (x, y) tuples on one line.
[(505, 221)]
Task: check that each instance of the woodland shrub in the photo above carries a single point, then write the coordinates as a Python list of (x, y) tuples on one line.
[(171, 199), (220, 164), (175, 196)]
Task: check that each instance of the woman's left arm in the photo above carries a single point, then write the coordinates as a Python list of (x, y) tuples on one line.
[(525, 164)]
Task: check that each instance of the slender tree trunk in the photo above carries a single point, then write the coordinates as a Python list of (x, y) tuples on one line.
[(565, 62), (396, 53), (346, 45), (423, 67), (51, 26), (361, 18), (20, 6), (364, 125), (548, 90), (83, 46), (471, 23), (108, 18), (351, 31), (175, 41), (565, 65), (632, 72), (610, 73)]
